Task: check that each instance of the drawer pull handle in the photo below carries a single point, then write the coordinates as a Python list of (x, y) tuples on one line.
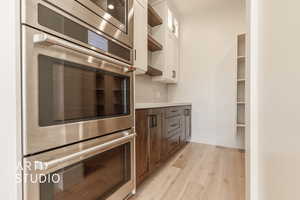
[(174, 125), (44, 38), (153, 121)]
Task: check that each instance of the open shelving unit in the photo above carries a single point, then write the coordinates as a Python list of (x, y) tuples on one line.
[(154, 20), (241, 87), (153, 17), (153, 72), (153, 45)]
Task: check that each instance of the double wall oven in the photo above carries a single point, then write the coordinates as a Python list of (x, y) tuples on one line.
[(77, 84)]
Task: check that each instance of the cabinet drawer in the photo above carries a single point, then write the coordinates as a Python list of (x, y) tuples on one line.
[(173, 125), (173, 143), (173, 112)]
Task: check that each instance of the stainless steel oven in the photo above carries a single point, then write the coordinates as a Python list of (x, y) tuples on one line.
[(71, 93), (77, 99), (94, 170), (104, 26), (116, 12)]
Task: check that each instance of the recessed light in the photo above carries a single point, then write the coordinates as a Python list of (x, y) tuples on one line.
[(111, 7)]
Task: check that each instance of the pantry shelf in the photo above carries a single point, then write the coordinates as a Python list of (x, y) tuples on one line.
[(153, 71)]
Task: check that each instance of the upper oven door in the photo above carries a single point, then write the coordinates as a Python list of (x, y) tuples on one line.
[(114, 11), (68, 19), (71, 93)]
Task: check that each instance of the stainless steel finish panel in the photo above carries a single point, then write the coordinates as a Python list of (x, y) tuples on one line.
[(69, 159), (83, 17), (90, 5), (51, 40), (36, 138), (94, 147)]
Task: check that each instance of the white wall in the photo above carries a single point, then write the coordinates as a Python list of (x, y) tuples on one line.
[(9, 144), (148, 91), (278, 99), (208, 71)]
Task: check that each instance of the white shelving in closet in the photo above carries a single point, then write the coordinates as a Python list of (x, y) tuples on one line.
[(241, 85)]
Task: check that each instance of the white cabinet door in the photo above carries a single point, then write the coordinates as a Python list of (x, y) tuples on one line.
[(169, 56), (172, 58), (175, 70), (168, 59), (140, 37)]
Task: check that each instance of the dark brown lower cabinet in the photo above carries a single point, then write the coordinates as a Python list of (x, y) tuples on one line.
[(149, 129), (172, 144), (160, 133), (188, 123), (155, 137), (142, 147)]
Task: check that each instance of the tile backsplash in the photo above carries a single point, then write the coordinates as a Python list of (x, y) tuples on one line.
[(148, 91)]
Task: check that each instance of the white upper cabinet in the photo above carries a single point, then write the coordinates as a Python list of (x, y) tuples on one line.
[(140, 36), (167, 60), (173, 24), (176, 28), (172, 58), (170, 20)]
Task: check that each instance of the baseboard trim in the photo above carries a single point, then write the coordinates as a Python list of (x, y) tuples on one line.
[(230, 148), (219, 146)]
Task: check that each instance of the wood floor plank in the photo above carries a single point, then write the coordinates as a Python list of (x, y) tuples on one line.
[(199, 172), (192, 157), (200, 179)]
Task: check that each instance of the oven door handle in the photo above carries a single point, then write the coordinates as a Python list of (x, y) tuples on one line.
[(47, 165), (45, 38)]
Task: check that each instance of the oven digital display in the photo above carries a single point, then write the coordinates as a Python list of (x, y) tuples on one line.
[(97, 41)]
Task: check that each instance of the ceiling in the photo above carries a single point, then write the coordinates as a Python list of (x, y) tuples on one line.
[(191, 7)]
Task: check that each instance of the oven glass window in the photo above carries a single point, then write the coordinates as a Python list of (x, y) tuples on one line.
[(93, 179), (70, 92), (116, 8)]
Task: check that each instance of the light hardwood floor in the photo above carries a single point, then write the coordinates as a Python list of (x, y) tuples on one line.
[(198, 172)]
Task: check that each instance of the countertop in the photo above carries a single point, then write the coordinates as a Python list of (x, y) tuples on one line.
[(159, 105)]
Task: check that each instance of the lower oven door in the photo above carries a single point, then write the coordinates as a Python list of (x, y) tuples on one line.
[(71, 93), (94, 170)]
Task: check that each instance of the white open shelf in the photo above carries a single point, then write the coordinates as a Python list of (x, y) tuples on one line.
[(241, 114), (241, 91), (241, 68), (241, 86), (241, 45), (241, 125)]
